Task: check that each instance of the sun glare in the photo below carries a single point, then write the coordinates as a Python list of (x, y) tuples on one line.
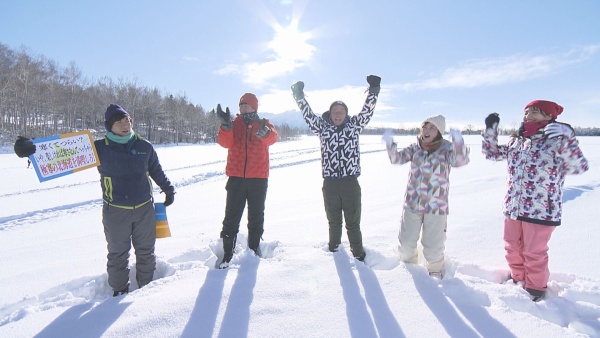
[(288, 50), (291, 45)]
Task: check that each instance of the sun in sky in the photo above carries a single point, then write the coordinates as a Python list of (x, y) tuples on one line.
[(291, 45), (288, 50)]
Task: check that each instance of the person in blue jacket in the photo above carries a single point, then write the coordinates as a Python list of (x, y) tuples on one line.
[(127, 164)]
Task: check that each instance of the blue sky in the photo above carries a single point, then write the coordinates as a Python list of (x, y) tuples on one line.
[(462, 59)]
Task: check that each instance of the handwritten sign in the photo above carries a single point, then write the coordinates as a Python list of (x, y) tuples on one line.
[(64, 154)]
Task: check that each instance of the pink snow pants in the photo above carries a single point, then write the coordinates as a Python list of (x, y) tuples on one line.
[(526, 246)]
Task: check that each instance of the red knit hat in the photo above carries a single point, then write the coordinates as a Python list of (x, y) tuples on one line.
[(250, 99), (550, 108)]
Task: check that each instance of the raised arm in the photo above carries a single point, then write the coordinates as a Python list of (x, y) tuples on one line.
[(489, 144), (460, 151), (314, 122), (362, 119)]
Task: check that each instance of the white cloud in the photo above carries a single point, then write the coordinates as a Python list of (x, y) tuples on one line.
[(489, 72), (279, 101), (229, 68), (190, 59)]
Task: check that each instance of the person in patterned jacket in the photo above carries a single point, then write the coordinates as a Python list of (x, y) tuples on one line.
[(426, 199), (539, 157), (340, 162), (247, 139)]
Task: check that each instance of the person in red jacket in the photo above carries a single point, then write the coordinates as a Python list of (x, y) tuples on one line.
[(247, 138)]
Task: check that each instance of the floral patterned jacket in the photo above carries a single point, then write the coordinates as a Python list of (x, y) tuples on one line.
[(429, 177), (537, 167)]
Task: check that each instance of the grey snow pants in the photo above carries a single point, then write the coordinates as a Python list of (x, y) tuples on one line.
[(342, 198), (122, 228)]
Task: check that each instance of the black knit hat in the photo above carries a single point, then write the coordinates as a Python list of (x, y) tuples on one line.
[(339, 103), (113, 113)]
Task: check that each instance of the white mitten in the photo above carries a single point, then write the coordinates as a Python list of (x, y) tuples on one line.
[(457, 141), (456, 136), (387, 138), (557, 129)]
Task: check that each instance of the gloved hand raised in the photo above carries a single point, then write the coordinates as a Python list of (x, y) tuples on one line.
[(492, 121), (169, 198), (390, 146), (557, 129), (298, 90), (387, 138), (455, 135), (374, 84), (24, 147), (264, 130), (225, 117), (457, 141)]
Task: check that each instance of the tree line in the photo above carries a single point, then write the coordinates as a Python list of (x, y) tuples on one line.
[(39, 98)]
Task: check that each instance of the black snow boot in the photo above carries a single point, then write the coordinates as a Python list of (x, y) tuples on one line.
[(361, 257), (121, 292), (228, 246), (257, 251), (254, 243), (333, 247), (536, 295), (358, 252), (226, 259)]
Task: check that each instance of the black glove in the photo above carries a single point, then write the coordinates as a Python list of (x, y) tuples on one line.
[(169, 198), (374, 84), (298, 90), (24, 147), (491, 120), (225, 117), (264, 129)]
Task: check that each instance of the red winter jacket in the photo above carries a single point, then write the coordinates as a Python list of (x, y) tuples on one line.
[(248, 155)]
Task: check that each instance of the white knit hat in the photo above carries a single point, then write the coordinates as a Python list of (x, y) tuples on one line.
[(438, 121)]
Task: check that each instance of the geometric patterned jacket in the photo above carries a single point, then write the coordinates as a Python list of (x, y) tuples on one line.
[(429, 176), (340, 153), (537, 166)]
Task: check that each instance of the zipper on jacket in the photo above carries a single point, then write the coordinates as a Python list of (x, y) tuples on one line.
[(247, 138)]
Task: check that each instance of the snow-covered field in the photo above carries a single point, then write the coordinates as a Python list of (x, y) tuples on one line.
[(53, 257)]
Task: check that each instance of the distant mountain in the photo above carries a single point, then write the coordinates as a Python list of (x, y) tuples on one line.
[(294, 119), (291, 118)]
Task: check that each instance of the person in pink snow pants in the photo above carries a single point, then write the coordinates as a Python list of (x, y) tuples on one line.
[(539, 156)]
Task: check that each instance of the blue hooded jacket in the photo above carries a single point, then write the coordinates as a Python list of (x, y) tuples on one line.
[(125, 172)]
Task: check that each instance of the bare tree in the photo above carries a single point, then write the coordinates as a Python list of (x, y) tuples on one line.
[(39, 98)]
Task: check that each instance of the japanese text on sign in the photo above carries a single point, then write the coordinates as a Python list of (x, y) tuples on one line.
[(64, 154)]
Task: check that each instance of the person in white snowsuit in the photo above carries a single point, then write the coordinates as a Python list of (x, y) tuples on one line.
[(539, 157), (426, 199)]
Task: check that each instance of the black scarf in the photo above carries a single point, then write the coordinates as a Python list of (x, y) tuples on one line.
[(250, 117)]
